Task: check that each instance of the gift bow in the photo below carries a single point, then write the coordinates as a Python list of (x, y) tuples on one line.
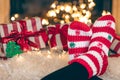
[(21, 38), (63, 35)]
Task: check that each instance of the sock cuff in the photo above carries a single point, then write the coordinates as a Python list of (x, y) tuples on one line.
[(83, 63)]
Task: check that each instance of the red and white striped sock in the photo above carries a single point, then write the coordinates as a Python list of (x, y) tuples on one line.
[(79, 35), (95, 60), (115, 47)]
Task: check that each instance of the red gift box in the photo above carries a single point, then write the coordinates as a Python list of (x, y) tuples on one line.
[(58, 36), (24, 35), (5, 30), (35, 25)]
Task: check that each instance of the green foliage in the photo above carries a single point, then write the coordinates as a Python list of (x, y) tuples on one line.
[(12, 49)]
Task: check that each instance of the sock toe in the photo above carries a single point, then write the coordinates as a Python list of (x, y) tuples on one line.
[(107, 17), (79, 26), (79, 35)]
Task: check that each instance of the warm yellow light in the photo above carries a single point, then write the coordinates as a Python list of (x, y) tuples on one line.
[(60, 56), (35, 49), (89, 21), (51, 13), (108, 13), (62, 8), (84, 11), (28, 52), (82, 6), (57, 11), (67, 20), (88, 14), (39, 53), (12, 18), (73, 15), (105, 13), (45, 22), (78, 14), (62, 21), (90, 0), (49, 52), (67, 16), (49, 56), (20, 58), (67, 8), (91, 5), (16, 15), (84, 19), (54, 48), (53, 5), (65, 12), (74, 8)]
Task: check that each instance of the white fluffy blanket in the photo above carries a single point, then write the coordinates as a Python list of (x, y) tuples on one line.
[(35, 65)]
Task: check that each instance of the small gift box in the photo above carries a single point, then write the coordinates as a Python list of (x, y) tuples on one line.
[(35, 25), (6, 29), (115, 47), (58, 36)]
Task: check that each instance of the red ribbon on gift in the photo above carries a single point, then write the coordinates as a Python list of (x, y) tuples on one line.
[(63, 35), (3, 57), (21, 38)]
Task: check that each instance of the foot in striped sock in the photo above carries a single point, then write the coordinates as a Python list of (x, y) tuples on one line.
[(79, 36), (95, 60)]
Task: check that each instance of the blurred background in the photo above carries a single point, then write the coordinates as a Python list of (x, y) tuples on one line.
[(58, 11), (31, 8)]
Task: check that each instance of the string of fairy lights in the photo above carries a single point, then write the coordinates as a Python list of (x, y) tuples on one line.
[(65, 12)]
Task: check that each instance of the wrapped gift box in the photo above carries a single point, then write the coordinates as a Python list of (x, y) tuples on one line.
[(6, 29), (28, 34), (58, 36), (34, 25)]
